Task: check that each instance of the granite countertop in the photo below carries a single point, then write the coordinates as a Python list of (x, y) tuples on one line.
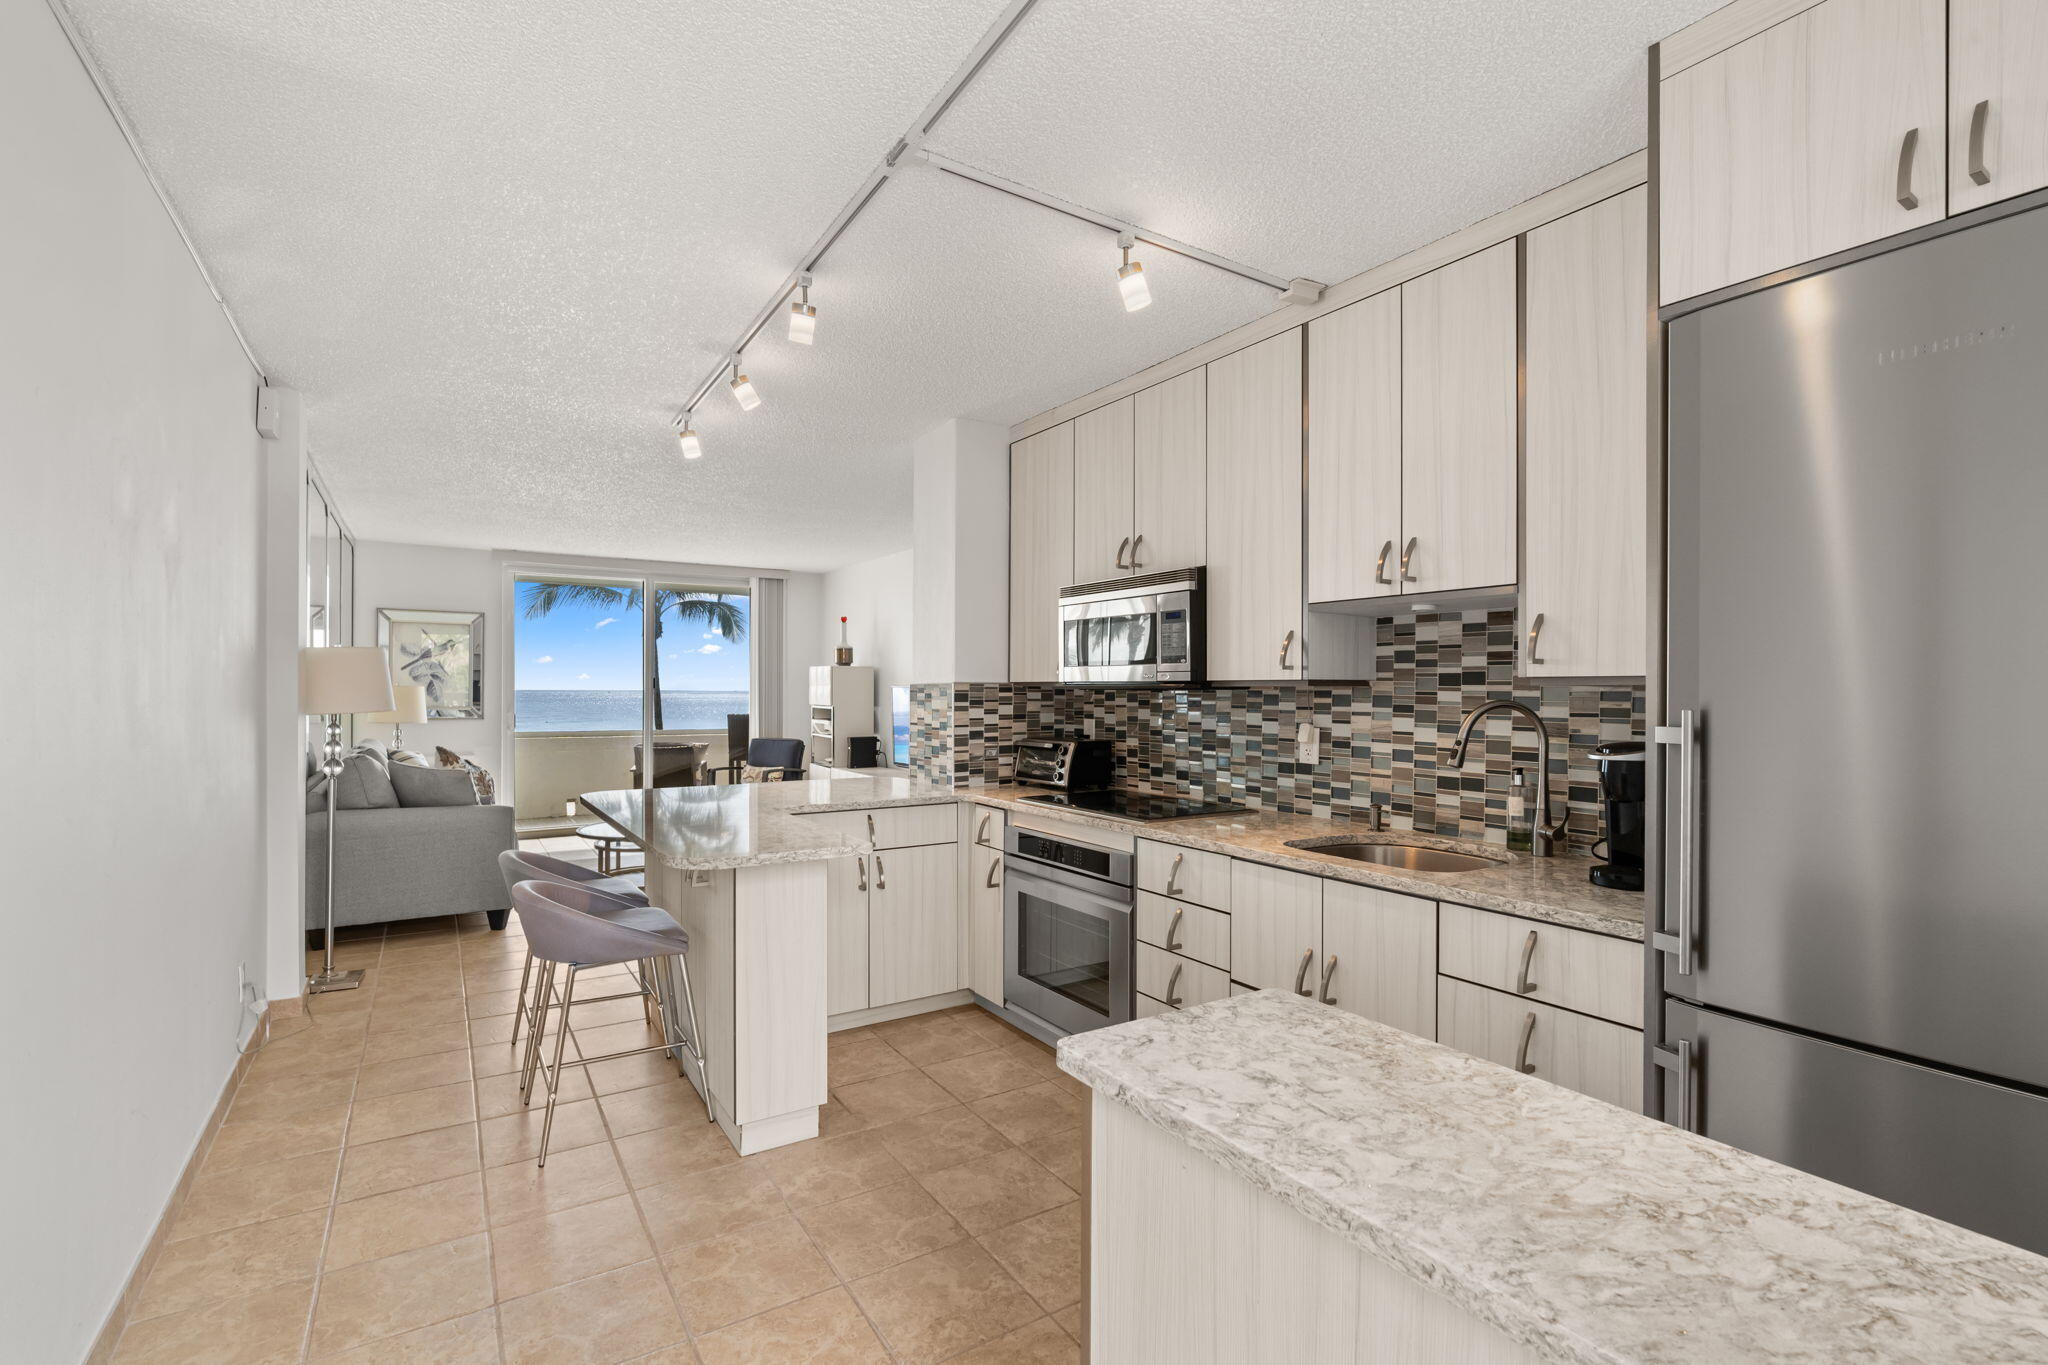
[(1553, 890), (1584, 1231), (751, 824)]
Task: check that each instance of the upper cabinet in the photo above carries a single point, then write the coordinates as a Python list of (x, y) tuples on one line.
[(1104, 475), (1998, 100), (1585, 566), (1820, 133), (1254, 512), (1354, 450), (1171, 430), (1041, 549), (1458, 425)]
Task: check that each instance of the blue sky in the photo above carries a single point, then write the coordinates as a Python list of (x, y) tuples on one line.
[(575, 647)]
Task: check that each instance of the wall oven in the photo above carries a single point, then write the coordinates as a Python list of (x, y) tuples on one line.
[(1144, 630), (1067, 930)]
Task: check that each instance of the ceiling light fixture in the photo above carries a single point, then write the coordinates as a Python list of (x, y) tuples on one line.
[(743, 389), (687, 439), (1131, 278), (803, 319)]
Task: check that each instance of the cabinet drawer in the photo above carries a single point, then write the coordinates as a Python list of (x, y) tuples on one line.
[(1149, 1008), (897, 826), (1197, 984), (981, 825), (1184, 874), (1590, 973), (1590, 1056), (1200, 933)]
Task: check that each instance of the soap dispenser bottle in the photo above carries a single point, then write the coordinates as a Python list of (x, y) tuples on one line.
[(1521, 832)]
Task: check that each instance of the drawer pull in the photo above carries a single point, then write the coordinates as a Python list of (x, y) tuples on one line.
[(1379, 572), (871, 829), (1911, 142), (1308, 955), (1173, 927), (1535, 629), (862, 864), (1329, 970), (995, 869), (1979, 116), (982, 836), (1174, 871), (1171, 982), (881, 874), (1407, 556), (1121, 546), (1522, 1062), (1523, 985)]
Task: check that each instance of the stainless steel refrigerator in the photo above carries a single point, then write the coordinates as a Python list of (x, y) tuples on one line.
[(1853, 868)]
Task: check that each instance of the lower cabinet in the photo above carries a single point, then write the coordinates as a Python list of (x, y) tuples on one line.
[(846, 935), (981, 898), (1276, 927), (1175, 981), (1576, 1051), (1379, 956), (913, 923)]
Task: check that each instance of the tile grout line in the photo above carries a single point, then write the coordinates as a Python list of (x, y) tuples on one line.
[(483, 1179)]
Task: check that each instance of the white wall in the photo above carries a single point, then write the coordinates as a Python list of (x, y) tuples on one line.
[(875, 596), (960, 499), (437, 578), (129, 538)]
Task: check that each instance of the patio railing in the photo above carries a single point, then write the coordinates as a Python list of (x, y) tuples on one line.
[(553, 769)]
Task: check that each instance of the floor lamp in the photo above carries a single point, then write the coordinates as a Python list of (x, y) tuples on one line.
[(335, 681)]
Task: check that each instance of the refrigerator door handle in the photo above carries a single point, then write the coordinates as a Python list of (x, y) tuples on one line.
[(1677, 1059), (1679, 942)]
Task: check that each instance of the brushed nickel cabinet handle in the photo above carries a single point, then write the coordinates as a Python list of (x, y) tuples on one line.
[(863, 865), (871, 829), (881, 874), (1379, 570), (1171, 982), (1173, 872), (1522, 1062), (1308, 956), (1979, 117), (1535, 629), (1134, 550), (995, 867), (1286, 647), (1329, 970), (1907, 147), (1173, 927), (1523, 985), (981, 836), (1121, 546), (1407, 556)]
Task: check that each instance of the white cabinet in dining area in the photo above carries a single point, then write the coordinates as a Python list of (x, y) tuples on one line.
[(1585, 565), (1041, 549), (1254, 514)]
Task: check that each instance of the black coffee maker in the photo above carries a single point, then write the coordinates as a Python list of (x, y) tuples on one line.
[(1623, 787)]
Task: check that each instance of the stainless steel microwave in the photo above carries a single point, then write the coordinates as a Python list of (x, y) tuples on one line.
[(1134, 631)]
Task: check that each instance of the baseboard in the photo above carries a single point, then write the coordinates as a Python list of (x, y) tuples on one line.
[(117, 1317), (902, 1009)]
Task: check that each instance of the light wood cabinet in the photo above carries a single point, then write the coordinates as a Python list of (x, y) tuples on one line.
[(913, 923), (1254, 514), (1041, 549), (1276, 927), (1104, 484), (1175, 981), (1354, 450), (1588, 973), (1591, 1056), (1998, 58), (846, 934), (1585, 565), (1170, 432), (1458, 425), (981, 898), (1184, 874), (1379, 956), (1191, 930), (1820, 133)]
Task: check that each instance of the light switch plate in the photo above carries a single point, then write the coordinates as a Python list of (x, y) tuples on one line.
[(1306, 743)]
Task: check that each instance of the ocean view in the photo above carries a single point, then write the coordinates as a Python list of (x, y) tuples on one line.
[(556, 710)]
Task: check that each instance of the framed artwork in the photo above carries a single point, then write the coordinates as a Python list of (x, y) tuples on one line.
[(443, 651)]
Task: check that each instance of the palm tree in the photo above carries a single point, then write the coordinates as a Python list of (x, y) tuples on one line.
[(716, 610)]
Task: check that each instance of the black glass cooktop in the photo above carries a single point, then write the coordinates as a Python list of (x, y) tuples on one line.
[(1136, 805)]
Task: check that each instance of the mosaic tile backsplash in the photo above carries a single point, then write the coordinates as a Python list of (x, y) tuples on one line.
[(1385, 742)]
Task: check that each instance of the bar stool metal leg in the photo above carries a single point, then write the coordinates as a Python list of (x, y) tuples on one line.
[(536, 1030), (519, 1014), (547, 1122)]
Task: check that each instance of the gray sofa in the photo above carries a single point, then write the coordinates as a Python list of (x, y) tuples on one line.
[(396, 861)]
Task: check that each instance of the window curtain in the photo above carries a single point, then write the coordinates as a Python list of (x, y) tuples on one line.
[(764, 700)]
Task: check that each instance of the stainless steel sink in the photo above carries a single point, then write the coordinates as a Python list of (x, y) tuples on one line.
[(1409, 857)]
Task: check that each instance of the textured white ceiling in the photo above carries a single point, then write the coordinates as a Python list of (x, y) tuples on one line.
[(496, 245)]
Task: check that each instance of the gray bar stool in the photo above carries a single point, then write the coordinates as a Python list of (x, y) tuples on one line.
[(516, 866), (579, 928)]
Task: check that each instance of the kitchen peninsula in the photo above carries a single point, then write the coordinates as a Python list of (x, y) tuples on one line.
[(744, 869)]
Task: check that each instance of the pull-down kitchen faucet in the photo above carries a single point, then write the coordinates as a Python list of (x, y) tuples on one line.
[(1549, 838)]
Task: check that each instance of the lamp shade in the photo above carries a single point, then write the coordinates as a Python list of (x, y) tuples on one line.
[(408, 706), (344, 679)]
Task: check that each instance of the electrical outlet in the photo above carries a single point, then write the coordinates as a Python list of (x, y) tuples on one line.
[(1307, 744)]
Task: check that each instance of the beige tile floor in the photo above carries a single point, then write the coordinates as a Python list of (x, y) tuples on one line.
[(372, 1195)]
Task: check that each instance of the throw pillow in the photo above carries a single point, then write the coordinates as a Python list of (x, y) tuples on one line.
[(432, 786), (363, 784), (486, 788), (754, 772), (408, 756)]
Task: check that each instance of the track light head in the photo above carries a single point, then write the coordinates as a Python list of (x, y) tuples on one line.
[(692, 448), (803, 319), (743, 390), (1130, 278)]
